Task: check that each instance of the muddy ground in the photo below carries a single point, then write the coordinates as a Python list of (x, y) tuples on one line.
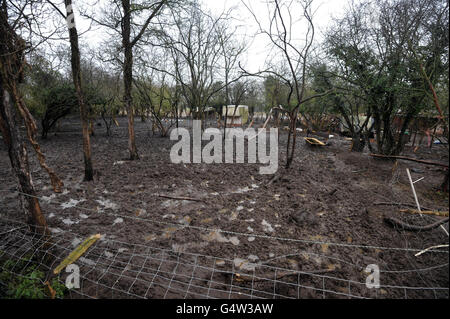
[(309, 234)]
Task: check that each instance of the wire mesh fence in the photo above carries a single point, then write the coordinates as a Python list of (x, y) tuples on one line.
[(114, 268)]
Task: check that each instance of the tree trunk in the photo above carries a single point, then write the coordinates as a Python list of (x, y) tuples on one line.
[(358, 142), (76, 74), (128, 77), (19, 163), (444, 186)]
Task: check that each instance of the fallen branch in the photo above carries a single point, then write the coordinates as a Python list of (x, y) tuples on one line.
[(410, 159), (77, 253), (399, 204), (180, 198), (426, 212), (398, 223), (429, 248)]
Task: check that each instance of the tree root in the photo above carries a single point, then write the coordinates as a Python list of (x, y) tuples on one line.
[(394, 222)]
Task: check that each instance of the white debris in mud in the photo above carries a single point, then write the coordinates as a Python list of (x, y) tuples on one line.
[(55, 230), (239, 208), (244, 264), (216, 235), (84, 216), (220, 262), (266, 226), (250, 239), (169, 215), (107, 204), (233, 216), (48, 199), (215, 194), (72, 203), (271, 255), (250, 229), (241, 190), (253, 258), (65, 192), (87, 261), (181, 248), (108, 254), (251, 220), (185, 221), (234, 240), (68, 221), (122, 250), (118, 220), (168, 203), (250, 209), (118, 163), (254, 186), (76, 242), (51, 215)]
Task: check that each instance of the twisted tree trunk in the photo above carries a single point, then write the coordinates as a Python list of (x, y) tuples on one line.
[(19, 162)]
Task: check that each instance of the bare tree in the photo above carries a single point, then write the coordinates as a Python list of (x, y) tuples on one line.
[(196, 43), (12, 64), (76, 76), (120, 17), (295, 54)]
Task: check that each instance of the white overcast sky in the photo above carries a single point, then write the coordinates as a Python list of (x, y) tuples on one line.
[(324, 11), (257, 53)]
